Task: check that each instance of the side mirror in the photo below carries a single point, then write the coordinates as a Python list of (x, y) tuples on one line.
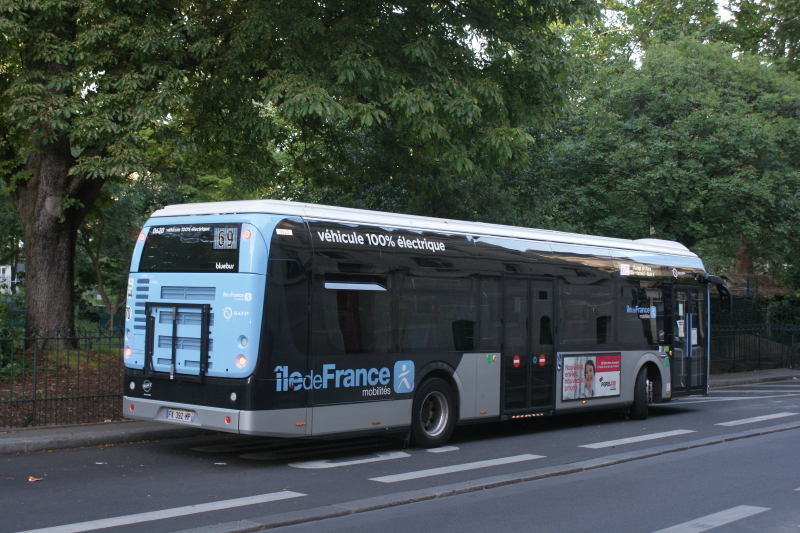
[(724, 292)]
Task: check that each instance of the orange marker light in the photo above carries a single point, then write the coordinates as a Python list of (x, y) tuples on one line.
[(141, 236), (241, 360), (246, 234)]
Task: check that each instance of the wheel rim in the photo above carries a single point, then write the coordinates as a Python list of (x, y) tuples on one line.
[(434, 414)]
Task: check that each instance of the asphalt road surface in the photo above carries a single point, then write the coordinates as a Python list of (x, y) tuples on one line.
[(175, 485)]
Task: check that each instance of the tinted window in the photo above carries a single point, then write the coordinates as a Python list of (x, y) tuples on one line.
[(355, 319), (490, 314), (437, 314), (286, 314), (192, 248), (586, 314), (642, 314)]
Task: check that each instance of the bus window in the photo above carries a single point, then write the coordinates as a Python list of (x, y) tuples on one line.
[(642, 314), (585, 314), (490, 329), (437, 315), (352, 314), (287, 321)]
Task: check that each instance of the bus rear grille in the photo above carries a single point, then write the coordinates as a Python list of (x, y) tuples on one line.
[(183, 343), (184, 318), (188, 293)]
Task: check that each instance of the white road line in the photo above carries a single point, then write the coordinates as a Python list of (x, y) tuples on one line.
[(640, 438), (455, 468), (168, 513), (383, 456), (444, 449), (734, 398), (715, 520), (755, 419)]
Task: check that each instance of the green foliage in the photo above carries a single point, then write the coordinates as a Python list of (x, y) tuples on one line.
[(108, 234), (770, 28), (697, 145)]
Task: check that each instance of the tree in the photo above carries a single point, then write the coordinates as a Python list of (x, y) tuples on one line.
[(440, 89), (78, 81), (428, 82), (767, 27), (698, 145)]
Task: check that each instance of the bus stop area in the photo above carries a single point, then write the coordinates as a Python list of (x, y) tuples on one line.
[(38, 439)]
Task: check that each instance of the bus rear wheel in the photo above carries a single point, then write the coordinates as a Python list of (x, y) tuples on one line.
[(641, 396), (433, 415)]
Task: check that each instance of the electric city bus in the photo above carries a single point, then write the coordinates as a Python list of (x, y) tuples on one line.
[(297, 320)]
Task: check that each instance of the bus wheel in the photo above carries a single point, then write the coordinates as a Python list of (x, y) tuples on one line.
[(433, 414), (640, 396)]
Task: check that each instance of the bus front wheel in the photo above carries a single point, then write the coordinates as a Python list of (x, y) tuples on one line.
[(639, 409), (433, 415)]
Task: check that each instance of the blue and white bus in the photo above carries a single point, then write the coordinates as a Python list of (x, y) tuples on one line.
[(297, 320)]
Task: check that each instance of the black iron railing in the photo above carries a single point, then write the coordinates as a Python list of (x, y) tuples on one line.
[(757, 334), (60, 377)]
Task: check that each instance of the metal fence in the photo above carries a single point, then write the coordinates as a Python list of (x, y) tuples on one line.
[(757, 334), (60, 377)]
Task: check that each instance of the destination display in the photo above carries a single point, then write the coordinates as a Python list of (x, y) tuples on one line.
[(191, 248)]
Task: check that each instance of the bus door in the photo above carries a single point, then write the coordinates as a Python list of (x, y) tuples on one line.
[(527, 344), (689, 324)]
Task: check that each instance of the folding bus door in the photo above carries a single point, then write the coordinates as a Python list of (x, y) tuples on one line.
[(689, 325), (528, 359)]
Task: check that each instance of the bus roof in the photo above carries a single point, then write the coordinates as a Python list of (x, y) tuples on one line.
[(413, 222)]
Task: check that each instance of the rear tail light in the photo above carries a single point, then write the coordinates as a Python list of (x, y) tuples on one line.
[(127, 351), (241, 360)]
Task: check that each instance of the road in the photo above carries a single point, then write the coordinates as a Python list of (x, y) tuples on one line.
[(183, 484)]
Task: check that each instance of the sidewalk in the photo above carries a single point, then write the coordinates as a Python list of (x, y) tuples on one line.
[(38, 439), (54, 438)]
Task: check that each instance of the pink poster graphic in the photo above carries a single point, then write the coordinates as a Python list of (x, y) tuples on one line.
[(590, 376)]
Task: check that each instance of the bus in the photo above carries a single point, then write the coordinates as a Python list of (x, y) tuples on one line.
[(297, 320)]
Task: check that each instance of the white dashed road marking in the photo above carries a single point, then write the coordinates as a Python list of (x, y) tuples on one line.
[(640, 438), (444, 449), (168, 513), (715, 520), (383, 456), (755, 419), (455, 468)]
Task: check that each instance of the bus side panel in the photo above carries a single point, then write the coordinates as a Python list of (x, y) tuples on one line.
[(479, 396)]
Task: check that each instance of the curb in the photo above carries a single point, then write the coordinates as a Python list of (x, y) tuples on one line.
[(10, 445), (443, 491)]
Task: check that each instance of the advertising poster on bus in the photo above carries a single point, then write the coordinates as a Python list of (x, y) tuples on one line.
[(590, 376)]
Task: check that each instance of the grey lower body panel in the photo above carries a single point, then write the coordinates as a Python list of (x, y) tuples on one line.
[(354, 417), (479, 376)]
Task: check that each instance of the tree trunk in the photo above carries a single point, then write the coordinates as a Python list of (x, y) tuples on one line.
[(50, 231), (743, 263)]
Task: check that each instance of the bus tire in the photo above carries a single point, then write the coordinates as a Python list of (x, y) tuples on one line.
[(639, 409), (433, 415)]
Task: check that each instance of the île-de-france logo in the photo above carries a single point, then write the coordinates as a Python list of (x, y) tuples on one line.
[(403, 376)]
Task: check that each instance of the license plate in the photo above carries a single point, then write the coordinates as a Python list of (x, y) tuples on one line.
[(180, 416)]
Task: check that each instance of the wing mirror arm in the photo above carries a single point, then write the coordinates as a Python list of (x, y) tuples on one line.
[(724, 292)]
